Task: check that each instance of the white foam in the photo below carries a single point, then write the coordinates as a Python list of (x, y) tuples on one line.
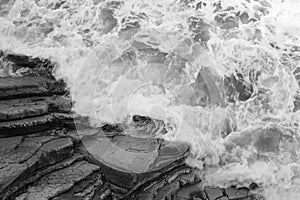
[(110, 88)]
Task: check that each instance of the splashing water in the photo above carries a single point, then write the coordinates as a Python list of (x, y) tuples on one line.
[(168, 60)]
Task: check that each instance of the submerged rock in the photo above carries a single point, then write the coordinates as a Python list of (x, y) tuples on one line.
[(237, 88), (127, 160)]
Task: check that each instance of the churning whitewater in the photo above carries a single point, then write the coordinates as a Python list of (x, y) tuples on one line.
[(171, 60)]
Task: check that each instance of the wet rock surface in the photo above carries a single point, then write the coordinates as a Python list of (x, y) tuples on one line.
[(43, 155)]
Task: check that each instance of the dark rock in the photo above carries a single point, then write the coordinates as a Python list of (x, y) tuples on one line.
[(265, 139), (40, 166), (59, 104), (22, 156), (34, 113), (34, 66), (131, 27), (244, 17), (15, 191), (59, 182), (23, 60), (5, 7), (226, 22), (223, 198), (19, 87), (297, 98), (237, 88), (54, 104), (111, 128), (65, 120), (163, 186), (206, 89), (296, 104), (141, 119), (143, 126), (191, 191), (26, 126), (22, 111), (169, 191), (128, 162), (213, 193), (91, 188), (109, 21), (234, 193), (203, 36)]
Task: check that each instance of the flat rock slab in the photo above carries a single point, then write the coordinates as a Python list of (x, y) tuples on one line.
[(135, 155), (26, 126), (34, 114), (126, 158), (184, 183), (16, 87), (175, 190), (21, 111), (55, 103), (58, 182), (20, 157)]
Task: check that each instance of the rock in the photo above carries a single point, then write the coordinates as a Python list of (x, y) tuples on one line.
[(234, 193), (297, 98), (65, 120), (264, 139), (223, 198), (237, 88), (296, 104), (22, 156), (209, 84), (227, 22), (203, 36), (34, 114), (191, 191), (5, 7), (143, 126), (130, 28), (54, 104), (162, 187), (59, 104), (39, 173), (169, 190), (128, 162), (21, 111), (110, 162), (109, 21), (213, 193), (16, 87), (34, 66), (175, 188), (26, 126), (244, 17), (23, 60), (41, 166), (59, 182)]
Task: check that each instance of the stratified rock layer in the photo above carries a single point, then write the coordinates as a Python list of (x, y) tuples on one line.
[(37, 159)]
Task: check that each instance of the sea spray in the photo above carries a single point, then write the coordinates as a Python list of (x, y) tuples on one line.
[(168, 60)]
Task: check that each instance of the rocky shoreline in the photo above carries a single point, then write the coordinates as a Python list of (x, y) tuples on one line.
[(43, 155)]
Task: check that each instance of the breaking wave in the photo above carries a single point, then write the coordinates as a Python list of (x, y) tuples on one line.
[(221, 75)]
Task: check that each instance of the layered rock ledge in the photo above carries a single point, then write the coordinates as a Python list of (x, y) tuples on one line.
[(43, 155)]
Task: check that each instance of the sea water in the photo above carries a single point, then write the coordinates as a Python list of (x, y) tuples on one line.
[(167, 60)]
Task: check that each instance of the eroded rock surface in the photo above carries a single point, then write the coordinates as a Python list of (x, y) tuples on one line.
[(38, 160)]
